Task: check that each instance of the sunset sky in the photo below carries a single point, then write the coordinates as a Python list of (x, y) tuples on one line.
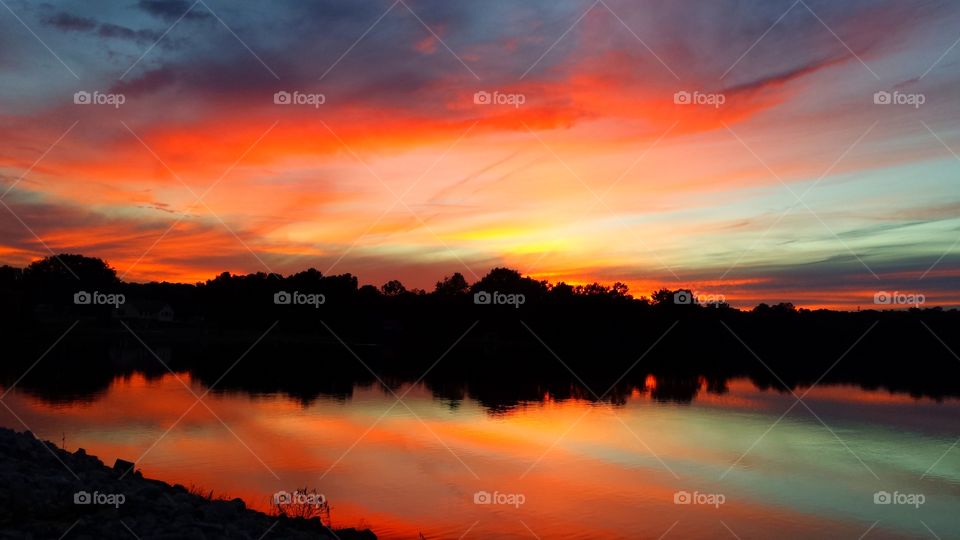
[(798, 187)]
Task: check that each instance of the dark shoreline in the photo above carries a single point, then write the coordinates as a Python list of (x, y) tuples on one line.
[(47, 492)]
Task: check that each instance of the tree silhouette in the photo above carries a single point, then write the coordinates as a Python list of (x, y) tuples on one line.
[(75, 270), (594, 327), (10, 275), (662, 296), (453, 285), (620, 290), (393, 288), (507, 280)]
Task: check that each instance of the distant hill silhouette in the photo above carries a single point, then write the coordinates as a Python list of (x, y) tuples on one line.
[(504, 339)]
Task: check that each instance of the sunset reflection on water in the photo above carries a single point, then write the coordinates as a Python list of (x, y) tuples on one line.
[(584, 469)]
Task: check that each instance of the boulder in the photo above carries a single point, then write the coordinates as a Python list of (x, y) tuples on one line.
[(122, 466)]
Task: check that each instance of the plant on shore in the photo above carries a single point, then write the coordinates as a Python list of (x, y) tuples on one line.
[(305, 503), (208, 495)]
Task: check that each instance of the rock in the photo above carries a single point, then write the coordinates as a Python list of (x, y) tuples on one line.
[(123, 466), (365, 534), (37, 500), (210, 526), (220, 511), (24, 443)]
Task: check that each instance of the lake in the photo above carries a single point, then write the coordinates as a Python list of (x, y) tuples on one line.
[(844, 462)]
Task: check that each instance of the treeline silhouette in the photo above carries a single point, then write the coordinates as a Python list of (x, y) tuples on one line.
[(464, 339)]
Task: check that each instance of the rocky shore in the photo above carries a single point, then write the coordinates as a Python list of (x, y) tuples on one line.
[(49, 493)]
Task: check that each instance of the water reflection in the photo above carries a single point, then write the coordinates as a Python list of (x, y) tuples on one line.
[(585, 469)]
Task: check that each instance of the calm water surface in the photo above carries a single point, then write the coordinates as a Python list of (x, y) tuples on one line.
[(584, 470)]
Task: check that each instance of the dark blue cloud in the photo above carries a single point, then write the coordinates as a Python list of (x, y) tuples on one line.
[(73, 23), (108, 30), (172, 10), (69, 22)]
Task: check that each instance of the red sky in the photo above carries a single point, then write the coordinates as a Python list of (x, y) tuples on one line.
[(797, 187)]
